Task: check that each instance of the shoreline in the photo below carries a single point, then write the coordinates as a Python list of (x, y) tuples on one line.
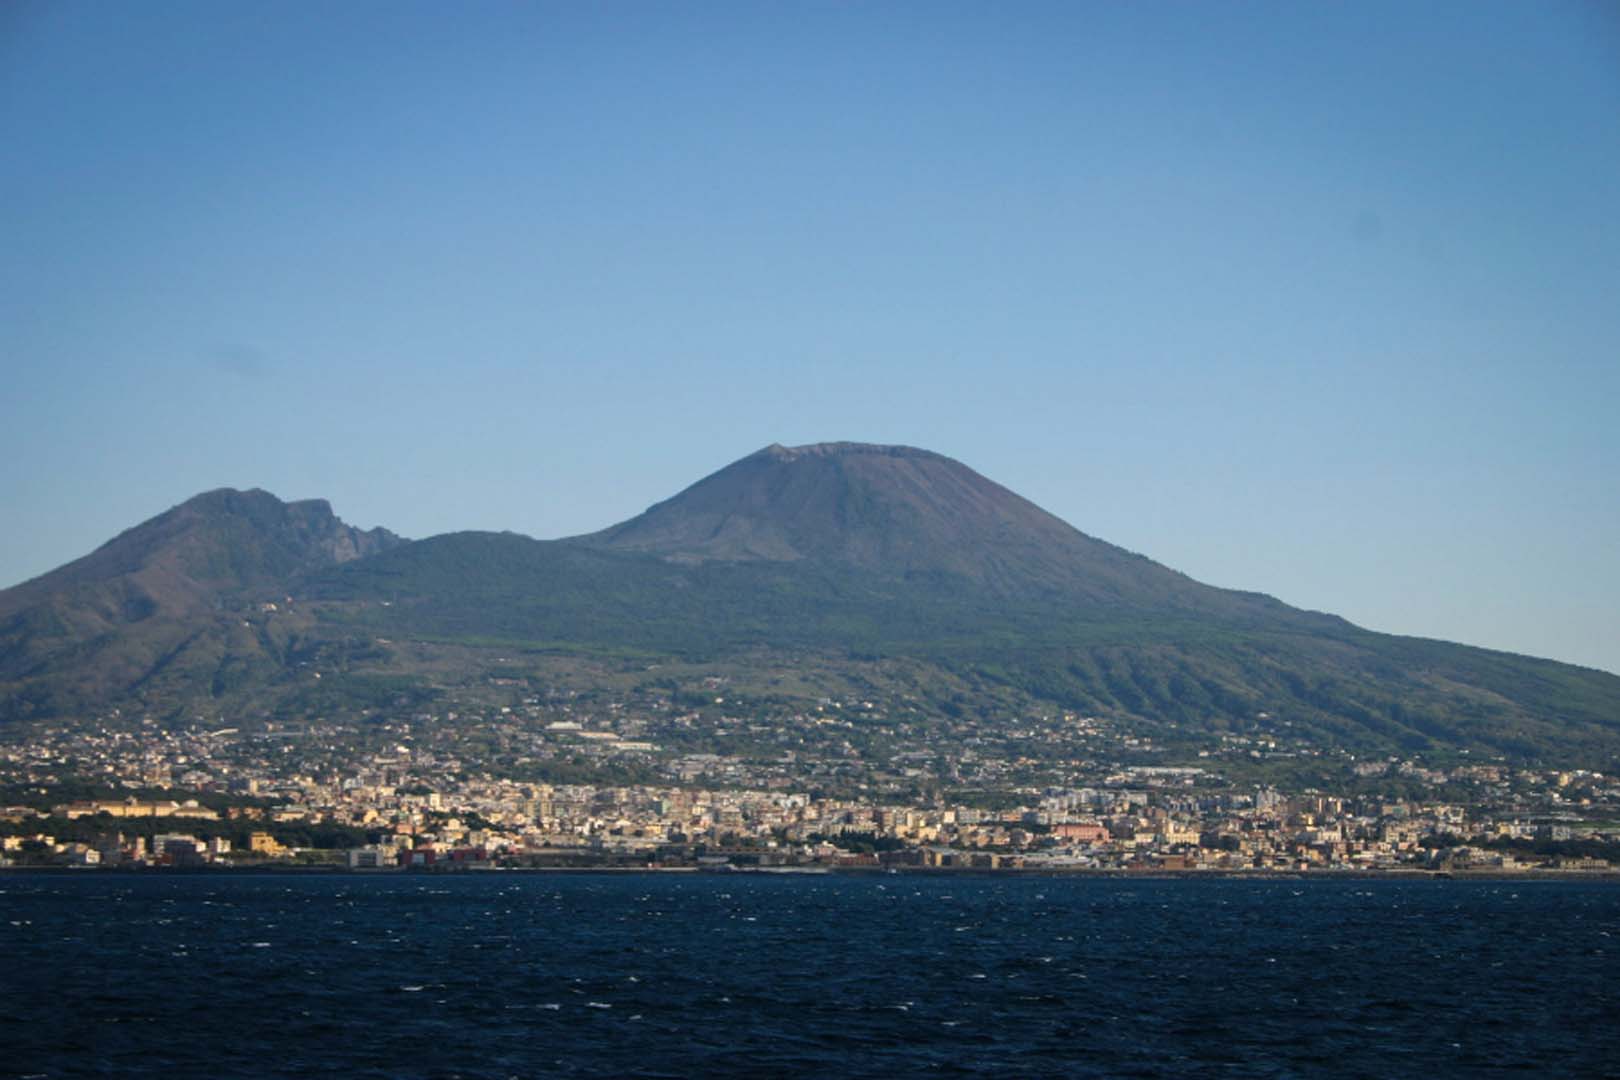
[(1611, 875)]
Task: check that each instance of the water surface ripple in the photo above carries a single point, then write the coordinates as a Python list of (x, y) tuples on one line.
[(646, 975)]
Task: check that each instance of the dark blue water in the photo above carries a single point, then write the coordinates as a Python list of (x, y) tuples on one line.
[(509, 975)]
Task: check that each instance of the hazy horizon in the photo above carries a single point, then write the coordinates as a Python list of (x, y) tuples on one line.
[(1317, 302)]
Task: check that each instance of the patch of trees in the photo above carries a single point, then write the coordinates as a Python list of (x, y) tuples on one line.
[(859, 843)]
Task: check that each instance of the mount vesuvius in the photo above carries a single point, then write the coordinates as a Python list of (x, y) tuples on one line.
[(831, 556)]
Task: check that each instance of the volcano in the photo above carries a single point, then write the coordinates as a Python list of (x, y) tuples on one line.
[(842, 555)]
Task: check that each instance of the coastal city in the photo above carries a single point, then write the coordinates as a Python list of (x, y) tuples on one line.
[(566, 783)]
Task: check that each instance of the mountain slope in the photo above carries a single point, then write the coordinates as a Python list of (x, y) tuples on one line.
[(889, 551), (839, 555), (1167, 672), (912, 514), (158, 602), (219, 541)]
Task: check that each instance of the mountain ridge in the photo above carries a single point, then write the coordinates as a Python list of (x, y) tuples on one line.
[(299, 534), (838, 553), (158, 593)]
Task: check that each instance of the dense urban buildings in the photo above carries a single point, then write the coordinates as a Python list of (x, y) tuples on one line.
[(575, 780)]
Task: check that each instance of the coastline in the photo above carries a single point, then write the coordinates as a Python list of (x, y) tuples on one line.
[(1611, 875)]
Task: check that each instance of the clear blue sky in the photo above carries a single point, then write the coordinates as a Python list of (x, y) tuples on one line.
[(1321, 300)]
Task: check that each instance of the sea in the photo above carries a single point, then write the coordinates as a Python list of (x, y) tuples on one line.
[(507, 975)]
